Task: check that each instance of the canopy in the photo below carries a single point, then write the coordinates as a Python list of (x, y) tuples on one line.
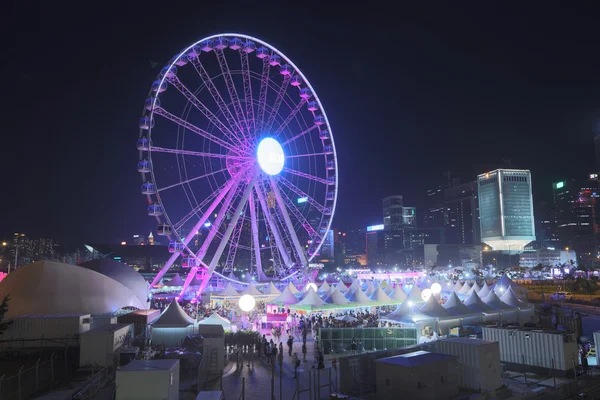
[(311, 299), (474, 303), (336, 297), (195, 281), (505, 282), (324, 287), (474, 288), (398, 295), (251, 290), (173, 317), (457, 286), (400, 312), (232, 276), (286, 297), (494, 301), (175, 281), (272, 290), (332, 289), (389, 289), (216, 319), (415, 295), (380, 296), (455, 306), (342, 286), (346, 318), (293, 288), (358, 296), (465, 289), (229, 291), (433, 309), (370, 288), (485, 290), (353, 287), (509, 297)]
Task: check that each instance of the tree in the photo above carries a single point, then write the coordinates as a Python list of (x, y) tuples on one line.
[(3, 310)]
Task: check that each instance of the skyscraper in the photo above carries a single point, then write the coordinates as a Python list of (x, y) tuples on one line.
[(506, 209), (461, 208)]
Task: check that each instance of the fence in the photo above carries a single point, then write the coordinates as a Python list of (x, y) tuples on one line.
[(339, 340), (37, 378)]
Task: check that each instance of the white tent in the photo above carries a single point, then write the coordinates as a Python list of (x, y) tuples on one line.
[(332, 288), (465, 289), (509, 297), (336, 297), (402, 314), (251, 290), (342, 286), (229, 291), (474, 288), (380, 296), (175, 281), (272, 290), (389, 289), (457, 286), (433, 309), (494, 302), (398, 295), (475, 303), (353, 287), (216, 319), (415, 295), (455, 306), (286, 297), (173, 317), (293, 288), (196, 281), (370, 288), (358, 297), (485, 290), (505, 282), (311, 299), (324, 287)]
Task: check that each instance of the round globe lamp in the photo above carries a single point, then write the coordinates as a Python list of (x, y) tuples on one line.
[(426, 294), (247, 303), (436, 288)]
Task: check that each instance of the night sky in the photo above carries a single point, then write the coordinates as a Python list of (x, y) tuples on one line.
[(410, 93)]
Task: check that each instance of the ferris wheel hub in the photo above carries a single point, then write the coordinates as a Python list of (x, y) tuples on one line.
[(270, 157)]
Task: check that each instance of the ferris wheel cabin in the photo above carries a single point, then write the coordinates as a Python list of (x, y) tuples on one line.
[(188, 262), (169, 72), (305, 93), (163, 229), (207, 45), (296, 80), (324, 135), (221, 43), (143, 144), (249, 46), (236, 44), (154, 210), (181, 60), (175, 247), (313, 106), (148, 188), (144, 166), (151, 102), (319, 120), (158, 87), (286, 69), (262, 52), (146, 123)]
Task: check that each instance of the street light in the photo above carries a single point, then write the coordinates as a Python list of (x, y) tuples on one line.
[(4, 244)]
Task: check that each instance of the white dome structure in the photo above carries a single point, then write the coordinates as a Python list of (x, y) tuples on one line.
[(121, 273), (48, 287)]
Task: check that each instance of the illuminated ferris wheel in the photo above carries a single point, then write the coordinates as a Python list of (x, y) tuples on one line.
[(238, 161)]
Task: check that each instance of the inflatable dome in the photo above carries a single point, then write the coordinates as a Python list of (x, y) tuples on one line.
[(121, 273), (48, 287)]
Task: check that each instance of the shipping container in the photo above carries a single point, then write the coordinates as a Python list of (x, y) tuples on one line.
[(45, 331), (99, 346), (98, 322), (478, 362), (148, 380), (596, 344), (140, 319), (544, 348)]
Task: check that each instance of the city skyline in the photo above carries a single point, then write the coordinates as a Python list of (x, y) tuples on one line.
[(430, 112)]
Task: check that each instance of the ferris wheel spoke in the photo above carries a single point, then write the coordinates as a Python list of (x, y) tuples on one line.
[(188, 280), (262, 98), (226, 236), (235, 241), (184, 124), (247, 91), (277, 103), (300, 193), (233, 95), (269, 219), (174, 80), (200, 206), (298, 215), (255, 235), (307, 176), (290, 117), (191, 180), (197, 226), (216, 95), (298, 136), (306, 155), (288, 223), (196, 153)]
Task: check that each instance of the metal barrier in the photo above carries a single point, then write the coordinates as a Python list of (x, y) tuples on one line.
[(339, 340)]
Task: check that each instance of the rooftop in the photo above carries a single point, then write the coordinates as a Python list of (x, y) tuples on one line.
[(533, 330), (53, 316), (416, 359), (107, 328), (149, 365), (465, 340)]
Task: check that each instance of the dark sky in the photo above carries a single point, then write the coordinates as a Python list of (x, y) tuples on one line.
[(410, 93)]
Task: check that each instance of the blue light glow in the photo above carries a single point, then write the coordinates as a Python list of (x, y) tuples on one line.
[(373, 228), (302, 200), (270, 156)]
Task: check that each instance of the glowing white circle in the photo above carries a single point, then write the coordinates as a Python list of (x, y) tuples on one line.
[(270, 156), (436, 288), (426, 294), (247, 302), (311, 285)]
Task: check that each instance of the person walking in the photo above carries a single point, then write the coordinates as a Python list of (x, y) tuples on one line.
[(304, 352), (273, 353), (296, 363), (353, 347), (280, 355), (321, 360), (290, 344)]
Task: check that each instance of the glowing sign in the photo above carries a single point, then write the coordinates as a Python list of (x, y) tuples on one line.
[(302, 200), (270, 156), (316, 265), (593, 176), (207, 224), (373, 228), (559, 185)]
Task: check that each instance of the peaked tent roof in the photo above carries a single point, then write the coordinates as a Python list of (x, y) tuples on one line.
[(175, 281), (415, 295), (286, 297), (272, 289), (195, 281), (510, 298), (369, 288), (389, 289), (342, 286), (228, 291), (485, 290), (457, 286), (455, 306), (380, 296), (324, 287), (465, 289), (311, 299), (216, 319), (505, 282), (475, 303), (173, 317), (494, 301), (336, 297), (432, 308), (332, 289), (474, 288), (358, 297), (293, 288), (252, 290), (398, 295), (401, 311), (232, 276)]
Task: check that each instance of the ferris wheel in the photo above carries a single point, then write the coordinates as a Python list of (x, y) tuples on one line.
[(238, 161)]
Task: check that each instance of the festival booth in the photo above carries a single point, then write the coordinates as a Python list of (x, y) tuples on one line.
[(293, 288), (457, 287), (456, 307), (505, 282), (416, 295), (465, 288), (475, 303), (228, 294), (484, 291), (475, 288), (445, 320), (336, 297), (271, 290), (324, 288), (397, 295), (310, 302), (507, 313), (526, 310), (172, 326), (216, 319)]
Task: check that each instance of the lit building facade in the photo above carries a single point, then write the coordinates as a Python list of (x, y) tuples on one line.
[(547, 258), (506, 209), (461, 208)]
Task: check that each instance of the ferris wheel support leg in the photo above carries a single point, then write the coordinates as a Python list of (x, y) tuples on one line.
[(190, 235), (269, 218), (226, 237), (188, 279), (254, 225), (288, 222)]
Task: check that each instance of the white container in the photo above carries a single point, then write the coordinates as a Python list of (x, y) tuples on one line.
[(99, 346), (51, 330), (597, 345), (478, 362), (98, 322), (148, 380), (535, 347)]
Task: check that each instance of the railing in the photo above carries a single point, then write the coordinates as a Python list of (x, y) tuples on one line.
[(340, 340)]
